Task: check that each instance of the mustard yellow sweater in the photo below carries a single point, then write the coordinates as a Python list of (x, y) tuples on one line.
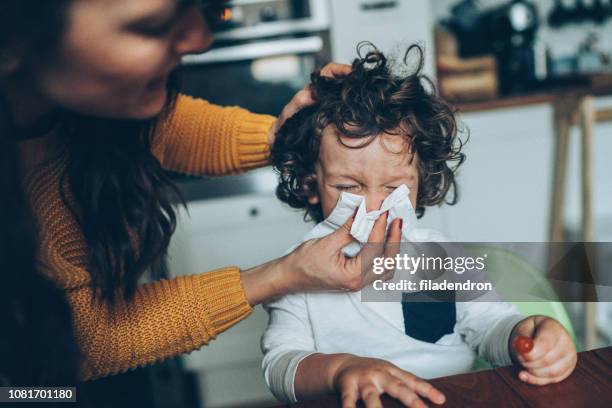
[(168, 317)]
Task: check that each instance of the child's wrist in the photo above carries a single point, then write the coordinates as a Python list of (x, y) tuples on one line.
[(336, 367)]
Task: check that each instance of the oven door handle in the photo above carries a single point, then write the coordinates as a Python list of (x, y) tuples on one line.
[(260, 49)]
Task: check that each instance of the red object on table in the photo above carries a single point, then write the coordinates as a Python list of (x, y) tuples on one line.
[(523, 344)]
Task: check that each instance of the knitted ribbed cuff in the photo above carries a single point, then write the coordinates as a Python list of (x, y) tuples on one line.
[(495, 345), (224, 300), (253, 149)]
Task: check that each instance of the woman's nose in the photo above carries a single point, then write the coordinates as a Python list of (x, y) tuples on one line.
[(195, 36)]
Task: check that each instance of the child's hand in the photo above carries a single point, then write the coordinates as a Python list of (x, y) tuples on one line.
[(553, 356), (360, 378)]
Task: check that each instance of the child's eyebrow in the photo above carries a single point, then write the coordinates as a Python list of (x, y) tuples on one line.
[(344, 176)]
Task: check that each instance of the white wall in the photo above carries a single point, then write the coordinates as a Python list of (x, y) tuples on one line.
[(506, 181), (391, 30)]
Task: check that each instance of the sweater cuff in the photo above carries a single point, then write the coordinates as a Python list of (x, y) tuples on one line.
[(253, 149), (224, 302), (495, 345)]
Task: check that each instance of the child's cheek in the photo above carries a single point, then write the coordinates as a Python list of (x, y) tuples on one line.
[(414, 191), (328, 198)]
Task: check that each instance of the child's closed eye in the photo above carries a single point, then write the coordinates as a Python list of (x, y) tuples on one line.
[(346, 187)]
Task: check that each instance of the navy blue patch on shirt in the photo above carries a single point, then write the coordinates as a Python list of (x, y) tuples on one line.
[(431, 319)]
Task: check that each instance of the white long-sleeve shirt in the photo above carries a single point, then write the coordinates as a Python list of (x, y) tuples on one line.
[(307, 323)]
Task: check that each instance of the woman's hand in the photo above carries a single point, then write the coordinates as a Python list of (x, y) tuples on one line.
[(359, 378), (553, 357), (320, 263), (304, 97)]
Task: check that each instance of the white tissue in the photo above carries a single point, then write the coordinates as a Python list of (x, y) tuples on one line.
[(397, 203)]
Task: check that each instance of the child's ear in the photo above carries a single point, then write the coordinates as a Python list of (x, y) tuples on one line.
[(313, 199), (310, 189)]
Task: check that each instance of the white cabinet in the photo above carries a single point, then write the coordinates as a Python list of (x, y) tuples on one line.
[(244, 231)]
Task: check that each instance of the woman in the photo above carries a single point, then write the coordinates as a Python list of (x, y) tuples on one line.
[(88, 85)]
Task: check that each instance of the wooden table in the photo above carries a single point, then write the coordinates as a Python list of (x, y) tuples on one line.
[(590, 385)]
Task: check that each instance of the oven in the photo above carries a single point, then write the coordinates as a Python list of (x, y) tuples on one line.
[(263, 53)]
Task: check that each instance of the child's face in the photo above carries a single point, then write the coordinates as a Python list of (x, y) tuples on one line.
[(373, 171)]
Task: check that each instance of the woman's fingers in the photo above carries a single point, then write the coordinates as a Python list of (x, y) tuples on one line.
[(304, 97), (393, 242), (376, 247), (377, 235), (336, 70), (301, 99), (342, 236), (373, 249)]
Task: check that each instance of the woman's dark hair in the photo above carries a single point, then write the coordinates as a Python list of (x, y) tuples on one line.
[(37, 345), (123, 200), (372, 99)]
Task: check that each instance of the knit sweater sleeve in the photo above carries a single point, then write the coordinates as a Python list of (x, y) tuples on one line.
[(199, 138), (163, 319)]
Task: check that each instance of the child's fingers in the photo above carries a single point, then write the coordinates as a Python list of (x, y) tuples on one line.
[(543, 342), (532, 379), (371, 397), (400, 391), (546, 360), (421, 386), (555, 369), (349, 396)]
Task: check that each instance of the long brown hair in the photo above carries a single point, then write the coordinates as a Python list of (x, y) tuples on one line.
[(124, 199)]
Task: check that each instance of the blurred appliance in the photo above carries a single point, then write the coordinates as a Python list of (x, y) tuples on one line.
[(507, 31), (562, 14), (264, 52)]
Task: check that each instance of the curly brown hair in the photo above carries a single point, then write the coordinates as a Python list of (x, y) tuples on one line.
[(369, 101)]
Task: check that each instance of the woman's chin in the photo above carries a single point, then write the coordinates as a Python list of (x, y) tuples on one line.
[(152, 106)]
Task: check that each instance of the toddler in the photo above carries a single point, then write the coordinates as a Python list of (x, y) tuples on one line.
[(387, 145)]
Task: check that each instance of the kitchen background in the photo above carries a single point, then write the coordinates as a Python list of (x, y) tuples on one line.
[(499, 61)]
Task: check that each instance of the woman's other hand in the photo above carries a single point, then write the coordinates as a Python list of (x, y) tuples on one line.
[(304, 97)]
